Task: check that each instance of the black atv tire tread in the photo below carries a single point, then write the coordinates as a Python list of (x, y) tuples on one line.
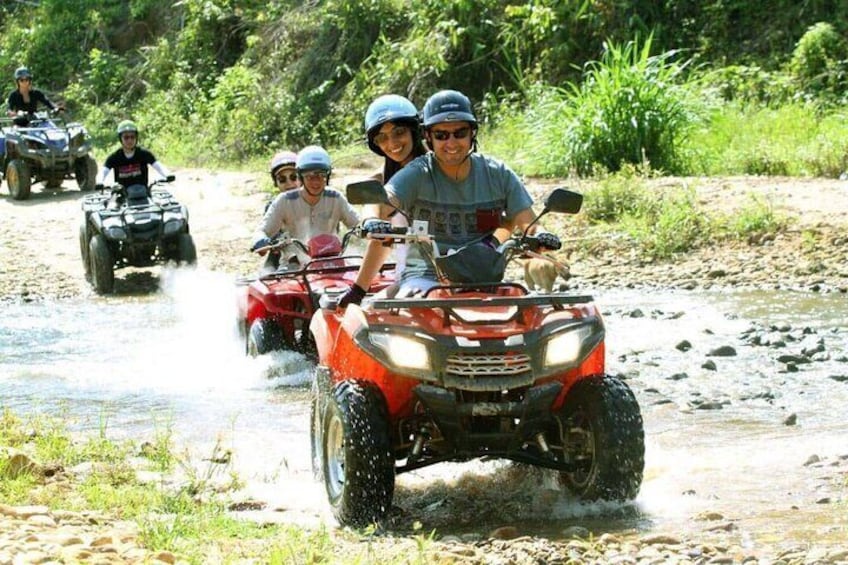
[(186, 250), (86, 173), (19, 182), (84, 253), (618, 462), (265, 336), (317, 408), (102, 264), (366, 496)]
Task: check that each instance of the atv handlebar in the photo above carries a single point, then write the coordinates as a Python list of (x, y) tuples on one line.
[(283, 241)]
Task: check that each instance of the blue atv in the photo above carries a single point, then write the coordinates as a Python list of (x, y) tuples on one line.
[(43, 147)]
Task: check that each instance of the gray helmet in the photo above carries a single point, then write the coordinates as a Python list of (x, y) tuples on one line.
[(22, 72), (448, 106)]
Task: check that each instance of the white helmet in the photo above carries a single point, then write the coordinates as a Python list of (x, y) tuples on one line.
[(313, 158)]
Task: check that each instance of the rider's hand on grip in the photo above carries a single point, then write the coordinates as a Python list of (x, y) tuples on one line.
[(98, 186), (375, 226), (260, 243), (354, 295), (170, 178), (548, 240)]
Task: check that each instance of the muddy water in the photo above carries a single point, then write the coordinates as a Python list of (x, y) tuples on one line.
[(718, 440)]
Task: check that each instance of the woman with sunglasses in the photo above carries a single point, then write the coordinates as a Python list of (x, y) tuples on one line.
[(393, 131), (25, 99), (313, 209), (463, 197)]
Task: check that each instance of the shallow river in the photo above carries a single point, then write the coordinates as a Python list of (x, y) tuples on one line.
[(717, 440)]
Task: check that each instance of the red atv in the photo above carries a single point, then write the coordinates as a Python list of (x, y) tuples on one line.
[(275, 309), (466, 371)]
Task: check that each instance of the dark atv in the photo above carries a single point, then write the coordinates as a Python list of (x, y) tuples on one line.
[(136, 226), (471, 368), (43, 147)]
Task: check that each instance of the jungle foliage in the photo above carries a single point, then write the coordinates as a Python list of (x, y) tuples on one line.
[(607, 82)]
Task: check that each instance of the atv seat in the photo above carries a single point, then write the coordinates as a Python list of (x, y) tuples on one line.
[(137, 195)]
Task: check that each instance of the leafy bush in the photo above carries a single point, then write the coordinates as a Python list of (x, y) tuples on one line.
[(820, 61)]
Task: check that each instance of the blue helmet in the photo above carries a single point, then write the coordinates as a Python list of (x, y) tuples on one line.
[(313, 158), (448, 106), (388, 108)]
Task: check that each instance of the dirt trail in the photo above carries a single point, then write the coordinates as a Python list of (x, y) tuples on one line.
[(41, 257)]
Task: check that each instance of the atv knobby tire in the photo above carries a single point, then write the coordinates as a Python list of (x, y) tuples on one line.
[(317, 409), (85, 172), (358, 466), (102, 264), (186, 251), (603, 434), (18, 178), (84, 254), (263, 337)]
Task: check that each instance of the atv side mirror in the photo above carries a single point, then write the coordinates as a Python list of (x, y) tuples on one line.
[(366, 192), (563, 201)]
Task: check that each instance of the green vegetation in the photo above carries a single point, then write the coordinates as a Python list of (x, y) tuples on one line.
[(183, 511), (223, 81)]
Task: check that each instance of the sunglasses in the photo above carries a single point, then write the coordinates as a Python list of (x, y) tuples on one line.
[(25, 79), (283, 177), (395, 133), (444, 135), (128, 136)]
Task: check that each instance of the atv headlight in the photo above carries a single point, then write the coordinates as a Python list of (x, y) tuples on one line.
[(564, 348), (114, 229), (402, 351)]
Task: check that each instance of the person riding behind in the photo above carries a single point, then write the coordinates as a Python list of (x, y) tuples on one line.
[(283, 169), (393, 131), (313, 209), (462, 196), (25, 99), (130, 161)]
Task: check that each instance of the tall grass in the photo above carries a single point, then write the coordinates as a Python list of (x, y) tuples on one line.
[(793, 140), (631, 108)]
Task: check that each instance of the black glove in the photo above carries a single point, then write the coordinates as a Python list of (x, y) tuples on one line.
[(262, 242), (374, 225), (170, 178), (98, 186), (548, 240), (354, 295)]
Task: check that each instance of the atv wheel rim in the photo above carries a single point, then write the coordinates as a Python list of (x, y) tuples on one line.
[(582, 440), (335, 458)]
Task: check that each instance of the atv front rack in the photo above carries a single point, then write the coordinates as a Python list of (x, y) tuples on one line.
[(514, 305), (555, 300)]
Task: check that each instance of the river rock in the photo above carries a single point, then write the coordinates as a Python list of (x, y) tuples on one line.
[(723, 351)]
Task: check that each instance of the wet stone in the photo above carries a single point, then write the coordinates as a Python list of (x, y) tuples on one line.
[(723, 351)]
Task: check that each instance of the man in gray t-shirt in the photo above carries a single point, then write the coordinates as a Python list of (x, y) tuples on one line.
[(462, 196)]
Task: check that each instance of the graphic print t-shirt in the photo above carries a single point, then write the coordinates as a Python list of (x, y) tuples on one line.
[(130, 170)]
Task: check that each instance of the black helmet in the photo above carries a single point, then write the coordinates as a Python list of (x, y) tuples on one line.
[(448, 106)]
